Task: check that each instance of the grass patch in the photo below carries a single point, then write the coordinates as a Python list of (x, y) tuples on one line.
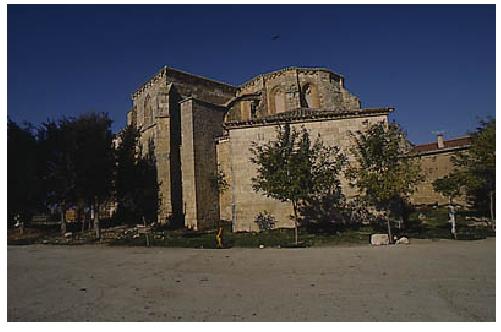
[(273, 238), (431, 224)]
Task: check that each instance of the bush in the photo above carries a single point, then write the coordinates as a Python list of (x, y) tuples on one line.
[(265, 221)]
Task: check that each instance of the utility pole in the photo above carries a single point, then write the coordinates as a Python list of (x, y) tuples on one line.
[(452, 218)]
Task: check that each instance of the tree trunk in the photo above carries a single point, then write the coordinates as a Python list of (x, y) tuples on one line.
[(452, 217), (491, 194), (294, 204), (96, 218), (63, 218), (81, 213), (388, 223), (83, 222), (390, 237)]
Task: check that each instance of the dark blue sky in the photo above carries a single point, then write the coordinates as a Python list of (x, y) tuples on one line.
[(435, 64)]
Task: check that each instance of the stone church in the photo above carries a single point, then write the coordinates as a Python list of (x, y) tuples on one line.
[(199, 127)]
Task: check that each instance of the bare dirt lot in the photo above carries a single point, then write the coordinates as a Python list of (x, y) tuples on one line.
[(425, 281)]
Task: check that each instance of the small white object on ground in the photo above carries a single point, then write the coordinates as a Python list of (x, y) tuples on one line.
[(403, 240), (261, 246), (379, 239), (68, 234)]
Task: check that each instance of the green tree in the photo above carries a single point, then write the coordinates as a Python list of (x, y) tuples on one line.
[(59, 172), (136, 184), (385, 172), (218, 180), (294, 169), (78, 162), (477, 166), (24, 185), (450, 185), (94, 160)]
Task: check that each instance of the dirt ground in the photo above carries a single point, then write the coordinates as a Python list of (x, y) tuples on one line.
[(424, 281)]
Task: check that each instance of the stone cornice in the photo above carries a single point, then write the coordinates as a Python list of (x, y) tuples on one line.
[(247, 96), (309, 115), (205, 103), (144, 128)]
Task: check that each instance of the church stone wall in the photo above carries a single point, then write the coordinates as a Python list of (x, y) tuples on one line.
[(201, 123), (180, 115), (224, 163), (156, 114), (155, 111), (150, 100), (188, 165), (249, 203)]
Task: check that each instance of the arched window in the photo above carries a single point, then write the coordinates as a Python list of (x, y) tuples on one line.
[(309, 96)]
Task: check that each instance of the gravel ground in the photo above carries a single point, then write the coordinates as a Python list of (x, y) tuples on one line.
[(424, 281)]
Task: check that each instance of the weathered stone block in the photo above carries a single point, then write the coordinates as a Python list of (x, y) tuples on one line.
[(379, 239)]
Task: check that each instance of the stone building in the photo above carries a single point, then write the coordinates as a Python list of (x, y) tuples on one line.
[(197, 126), (436, 162)]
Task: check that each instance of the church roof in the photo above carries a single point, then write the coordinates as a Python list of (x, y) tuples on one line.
[(286, 69), (455, 143), (163, 71)]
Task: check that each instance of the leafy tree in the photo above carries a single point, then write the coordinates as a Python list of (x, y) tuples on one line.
[(450, 185), (477, 166), (148, 186), (136, 183), (385, 173), (265, 221), (94, 160), (218, 181), (292, 168), (58, 144), (218, 184), (79, 162), (127, 155), (24, 185)]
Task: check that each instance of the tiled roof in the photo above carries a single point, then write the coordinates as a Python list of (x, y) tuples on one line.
[(454, 143)]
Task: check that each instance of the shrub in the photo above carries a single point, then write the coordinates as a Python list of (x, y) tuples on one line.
[(265, 221)]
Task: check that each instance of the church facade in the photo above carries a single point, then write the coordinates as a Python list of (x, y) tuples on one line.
[(199, 128)]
